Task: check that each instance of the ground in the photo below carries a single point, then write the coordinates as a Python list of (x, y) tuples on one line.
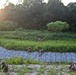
[(38, 70)]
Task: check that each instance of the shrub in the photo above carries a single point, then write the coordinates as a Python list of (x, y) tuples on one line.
[(15, 60), (31, 61), (19, 61), (8, 25), (57, 26)]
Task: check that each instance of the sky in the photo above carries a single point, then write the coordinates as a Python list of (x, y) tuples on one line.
[(65, 1), (2, 2)]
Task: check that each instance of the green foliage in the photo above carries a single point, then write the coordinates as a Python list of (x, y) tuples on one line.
[(39, 69), (49, 45), (19, 29), (27, 15), (35, 34), (73, 73), (15, 61), (22, 40), (8, 25), (19, 61), (30, 61), (57, 26)]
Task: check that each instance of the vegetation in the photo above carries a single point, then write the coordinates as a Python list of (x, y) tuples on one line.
[(35, 15), (27, 16), (57, 26), (8, 25), (36, 40), (36, 68), (20, 61), (34, 35), (54, 46), (29, 66)]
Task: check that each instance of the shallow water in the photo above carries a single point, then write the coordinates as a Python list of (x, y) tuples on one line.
[(46, 56)]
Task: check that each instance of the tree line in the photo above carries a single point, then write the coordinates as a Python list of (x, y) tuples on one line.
[(36, 14)]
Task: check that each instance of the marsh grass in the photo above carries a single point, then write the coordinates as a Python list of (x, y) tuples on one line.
[(48, 41), (20, 61), (49, 45), (15, 60), (35, 34)]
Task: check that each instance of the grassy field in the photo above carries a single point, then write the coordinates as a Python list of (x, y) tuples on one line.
[(37, 40)]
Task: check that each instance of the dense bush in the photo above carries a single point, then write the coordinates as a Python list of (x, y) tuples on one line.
[(57, 26), (8, 25)]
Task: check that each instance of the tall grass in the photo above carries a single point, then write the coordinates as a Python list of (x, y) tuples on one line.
[(20, 61), (36, 40), (34, 35), (49, 45)]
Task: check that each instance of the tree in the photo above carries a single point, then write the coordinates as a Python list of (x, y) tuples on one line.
[(35, 14), (57, 11), (8, 25), (57, 26), (72, 18)]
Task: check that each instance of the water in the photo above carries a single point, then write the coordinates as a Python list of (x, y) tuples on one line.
[(46, 56)]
